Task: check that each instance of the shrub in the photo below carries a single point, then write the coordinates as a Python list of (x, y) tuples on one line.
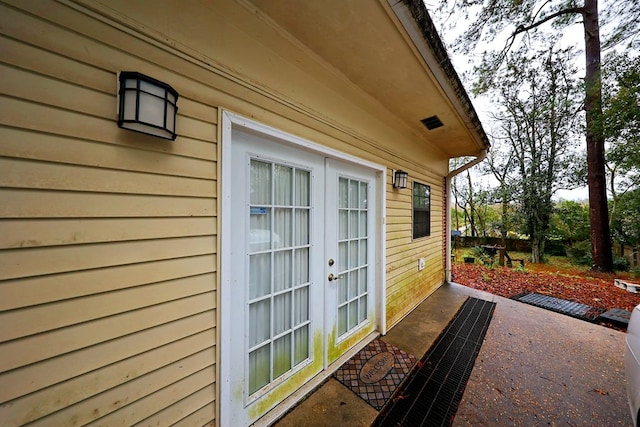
[(620, 264), (581, 253), (636, 272), (555, 248)]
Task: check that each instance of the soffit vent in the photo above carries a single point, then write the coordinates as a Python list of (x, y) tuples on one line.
[(432, 122)]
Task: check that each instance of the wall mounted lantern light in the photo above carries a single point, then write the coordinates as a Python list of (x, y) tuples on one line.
[(399, 178), (147, 105)]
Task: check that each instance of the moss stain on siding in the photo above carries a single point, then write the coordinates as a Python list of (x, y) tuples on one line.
[(293, 383), (411, 290)]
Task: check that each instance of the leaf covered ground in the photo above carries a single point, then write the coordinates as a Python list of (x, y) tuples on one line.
[(594, 289)]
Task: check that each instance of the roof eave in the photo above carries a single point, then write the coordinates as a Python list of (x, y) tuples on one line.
[(415, 19)]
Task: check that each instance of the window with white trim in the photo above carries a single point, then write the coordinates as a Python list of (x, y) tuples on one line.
[(421, 210)]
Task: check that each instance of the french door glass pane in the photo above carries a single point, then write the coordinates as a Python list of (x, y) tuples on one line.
[(281, 355), (301, 344), (259, 275), (278, 284), (342, 320), (354, 193), (260, 183), (343, 224), (363, 280), (281, 313), (363, 309), (260, 229), (259, 368), (282, 228), (362, 252), (363, 223), (343, 295), (283, 179), (301, 229), (363, 195), (301, 272), (301, 306), (353, 224), (352, 254), (282, 270), (343, 193), (302, 188), (353, 314), (342, 256), (352, 283), (259, 315)]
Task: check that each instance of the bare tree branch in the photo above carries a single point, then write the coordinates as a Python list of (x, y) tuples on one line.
[(568, 11)]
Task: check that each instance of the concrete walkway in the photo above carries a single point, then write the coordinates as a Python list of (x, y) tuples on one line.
[(540, 368), (535, 367)]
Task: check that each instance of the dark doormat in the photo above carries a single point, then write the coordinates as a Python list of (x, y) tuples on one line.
[(617, 316), (431, 394), (570, 308), (376, 371)]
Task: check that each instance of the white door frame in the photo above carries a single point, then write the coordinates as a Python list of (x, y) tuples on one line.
[(230, 120)]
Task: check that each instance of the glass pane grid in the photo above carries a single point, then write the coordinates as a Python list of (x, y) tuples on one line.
[(278, 306), (352, 254)]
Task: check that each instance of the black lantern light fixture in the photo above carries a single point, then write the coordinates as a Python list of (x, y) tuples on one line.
[(400, 178), (147, 105)]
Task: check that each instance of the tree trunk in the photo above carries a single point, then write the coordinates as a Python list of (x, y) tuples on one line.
[(503, 222), (537, 250), (596, 178)]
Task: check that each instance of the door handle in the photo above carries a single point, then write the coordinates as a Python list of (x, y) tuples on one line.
[(332, 277)]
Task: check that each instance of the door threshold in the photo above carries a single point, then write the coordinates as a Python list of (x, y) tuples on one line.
[(296, 397)]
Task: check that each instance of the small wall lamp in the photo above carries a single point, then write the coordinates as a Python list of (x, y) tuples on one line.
[(147, 105), (399, 178)]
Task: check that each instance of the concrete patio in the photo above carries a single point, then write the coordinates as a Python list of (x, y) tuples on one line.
[(535, 367)]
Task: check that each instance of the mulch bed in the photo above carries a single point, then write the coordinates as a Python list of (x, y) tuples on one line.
[(593, 289)]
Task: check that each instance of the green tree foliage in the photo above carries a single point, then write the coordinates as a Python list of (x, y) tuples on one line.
[(537, 116), (529, 21), (499, 164), (470, 203), (621, 126), (621, 115), (570, 221), (626, 224)]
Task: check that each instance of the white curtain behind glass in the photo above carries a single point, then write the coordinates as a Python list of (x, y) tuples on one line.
[(278, 271)]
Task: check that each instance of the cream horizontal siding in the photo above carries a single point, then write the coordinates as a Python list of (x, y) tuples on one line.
[(48, 288), (107, 237), (406, 286), (148, 358)]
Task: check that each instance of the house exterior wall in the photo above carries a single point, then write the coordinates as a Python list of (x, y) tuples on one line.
[(108, 238)]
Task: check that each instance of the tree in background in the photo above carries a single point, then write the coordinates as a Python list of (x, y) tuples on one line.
[(537, 117), (469, 199), (500, 165), (626, 224), (523, 19), (570, 221), (621, 126)]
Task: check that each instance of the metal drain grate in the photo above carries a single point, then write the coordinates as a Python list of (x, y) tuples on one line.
[(570, 308), (430, 396)]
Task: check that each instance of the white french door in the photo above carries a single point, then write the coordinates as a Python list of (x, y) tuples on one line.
[(350, 245), (301, 253)]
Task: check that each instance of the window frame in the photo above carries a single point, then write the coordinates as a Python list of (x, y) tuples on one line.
[(415, 233)]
